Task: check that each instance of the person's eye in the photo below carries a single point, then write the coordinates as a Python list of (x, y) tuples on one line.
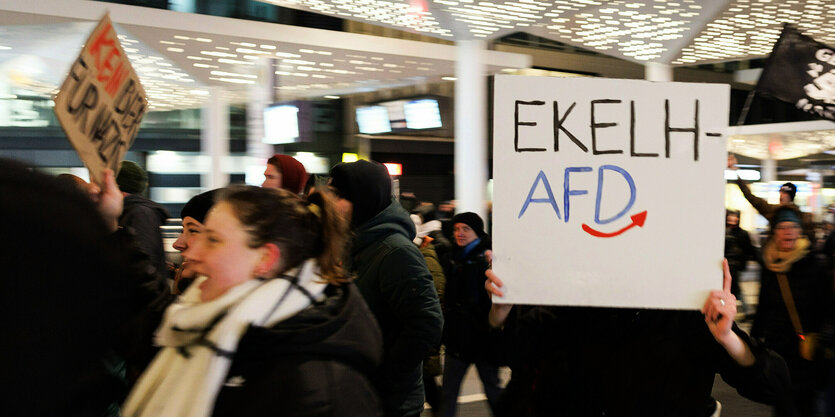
[(194, 231), (212, 239)]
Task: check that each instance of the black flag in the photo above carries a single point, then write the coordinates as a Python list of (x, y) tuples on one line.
[(801, 71)]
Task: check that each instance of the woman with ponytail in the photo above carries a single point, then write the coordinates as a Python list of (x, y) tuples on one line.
[(272, 325)]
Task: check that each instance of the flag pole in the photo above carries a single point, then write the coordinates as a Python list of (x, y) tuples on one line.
[(746, 107)]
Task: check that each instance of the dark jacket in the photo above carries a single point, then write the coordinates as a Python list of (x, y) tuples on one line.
[(738, 249), (467, 304), (811, 288), (144, 218), (68, 286), (579, 362), (320, 362), (398, 288)]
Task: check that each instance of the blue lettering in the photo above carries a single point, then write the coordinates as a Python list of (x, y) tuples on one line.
[(567, 189), (550, 199), (600, 193)]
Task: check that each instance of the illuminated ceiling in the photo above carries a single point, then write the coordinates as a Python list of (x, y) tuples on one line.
[(677, 32), (782, 140), (178, 56)]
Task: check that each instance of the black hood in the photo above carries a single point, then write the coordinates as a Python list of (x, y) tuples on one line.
[(392, 220)]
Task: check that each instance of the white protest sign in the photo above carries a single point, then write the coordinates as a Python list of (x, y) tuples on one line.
[(608, 192), (101, 103)]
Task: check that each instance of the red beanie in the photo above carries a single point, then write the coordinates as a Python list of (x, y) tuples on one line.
[(293, 174)]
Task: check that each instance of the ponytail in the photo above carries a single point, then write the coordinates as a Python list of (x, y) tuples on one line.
[(332, 240)]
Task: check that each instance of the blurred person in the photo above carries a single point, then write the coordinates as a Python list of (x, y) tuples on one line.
[(583, 361), (393, 278), (432, 227), (142, 216), (738, 251), (787, 194), (431, 364), (795, 301), (272, 326), (193, 214), (284, 171), (73, 282), (468, 338)]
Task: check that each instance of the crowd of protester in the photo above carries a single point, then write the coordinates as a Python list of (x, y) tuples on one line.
[(314, 296)]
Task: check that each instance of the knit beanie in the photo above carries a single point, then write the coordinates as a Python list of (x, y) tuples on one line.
[(471, 219), (790, 189), (199, 206), (786, 215), (131, 179), (293, 174), (366, 184)]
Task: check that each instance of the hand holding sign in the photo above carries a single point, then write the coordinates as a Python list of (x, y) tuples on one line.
[(720, 307), (498, 312), (108, 199)]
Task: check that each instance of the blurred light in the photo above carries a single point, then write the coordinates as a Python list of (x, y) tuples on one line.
[(332, 97), (350, 157), (394, 169)]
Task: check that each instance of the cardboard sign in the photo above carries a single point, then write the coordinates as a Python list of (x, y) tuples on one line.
[(101, 103), (608, 192)]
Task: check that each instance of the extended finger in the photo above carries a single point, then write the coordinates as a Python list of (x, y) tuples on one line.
[(726, 284)]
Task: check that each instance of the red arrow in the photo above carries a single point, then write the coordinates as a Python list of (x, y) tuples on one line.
[(637, 220)]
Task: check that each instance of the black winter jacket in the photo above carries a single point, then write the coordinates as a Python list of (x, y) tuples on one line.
[(811, 289), (398, 288), (577, 362), (466, 305), (143, 218), (320, 362)]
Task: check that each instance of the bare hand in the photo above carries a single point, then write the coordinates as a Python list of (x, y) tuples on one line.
[(498, 312), (109, 200), (732, 161), (720, 308)]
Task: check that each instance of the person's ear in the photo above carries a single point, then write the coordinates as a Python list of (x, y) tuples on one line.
[(270, 260)]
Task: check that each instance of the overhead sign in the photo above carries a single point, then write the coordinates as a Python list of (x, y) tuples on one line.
[(101, 103), (608, 192)]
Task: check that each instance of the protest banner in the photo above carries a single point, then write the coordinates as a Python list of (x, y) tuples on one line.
[(608, 192), (801, 71), (101, 103)]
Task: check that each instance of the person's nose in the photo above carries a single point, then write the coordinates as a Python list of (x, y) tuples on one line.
[(181, 243)]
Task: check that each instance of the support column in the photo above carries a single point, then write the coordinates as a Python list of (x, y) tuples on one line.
[(214, 139), (768, 171), (654, 71), (471, 128), (259, 96)]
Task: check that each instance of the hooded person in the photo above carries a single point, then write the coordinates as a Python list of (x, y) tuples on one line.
[(795, 300), (393, 278), (284, 171), (142, 216)]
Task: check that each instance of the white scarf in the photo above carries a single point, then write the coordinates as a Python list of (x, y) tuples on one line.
[(186, 375)]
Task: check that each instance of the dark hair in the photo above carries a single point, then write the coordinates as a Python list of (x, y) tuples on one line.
[(300, 229)]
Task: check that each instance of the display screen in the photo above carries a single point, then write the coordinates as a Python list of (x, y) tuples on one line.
[(281, 124), (422, 114), (373, 119)]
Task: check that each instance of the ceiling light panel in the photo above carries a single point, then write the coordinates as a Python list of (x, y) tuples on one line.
[(749, 28), (788, 145), (683, 32)]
